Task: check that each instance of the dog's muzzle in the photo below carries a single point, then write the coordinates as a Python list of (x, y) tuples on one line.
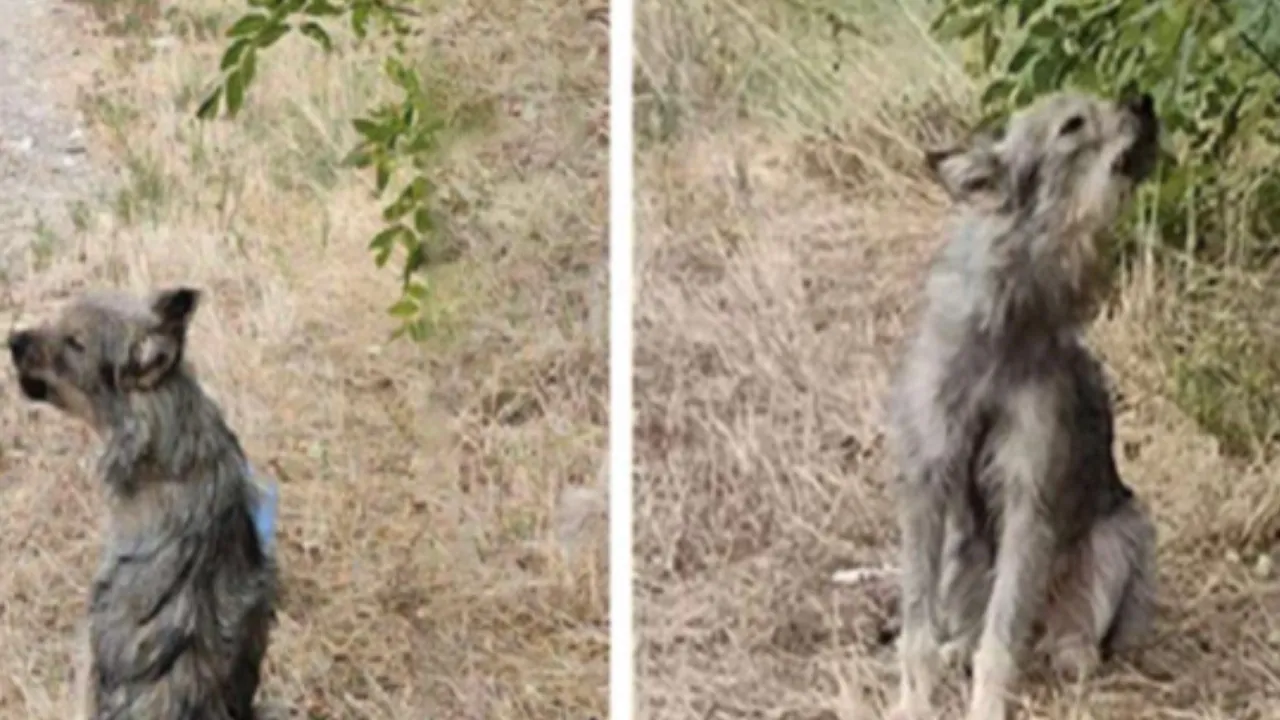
[(1138, 162), (21, 345)]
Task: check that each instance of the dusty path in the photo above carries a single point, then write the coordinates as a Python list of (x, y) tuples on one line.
[(44, 166)]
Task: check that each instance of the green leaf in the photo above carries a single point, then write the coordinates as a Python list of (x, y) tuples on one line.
[(943, 17), (235, 92), (383, 176), (1047, 72), (405, 308), (231, 57), (371, 130), (403, 204), (998, 91), (317, 33), (423, 222), (413, 262), (247, 25), (1020, 59), (419, 330), (990, 46), (209, 107), (272, 34), (322, 8), (424, 141), (1046, 29), (384, 242), (248, 67), (962, 25), (417, 290), (1027, 8), (360, 20), (359, 157)]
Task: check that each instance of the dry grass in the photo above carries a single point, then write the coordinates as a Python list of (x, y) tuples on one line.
[(423, 564), (784, 228)]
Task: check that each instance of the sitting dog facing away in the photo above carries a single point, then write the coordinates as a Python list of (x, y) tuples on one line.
[(181, 607), (1011, 509)]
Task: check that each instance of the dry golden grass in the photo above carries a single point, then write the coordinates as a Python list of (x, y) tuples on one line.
[(422, 534), (784, 227)]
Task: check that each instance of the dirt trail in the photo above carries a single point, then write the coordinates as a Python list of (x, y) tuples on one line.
[(44, 164)]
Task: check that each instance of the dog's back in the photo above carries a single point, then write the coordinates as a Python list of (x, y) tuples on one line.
[(181, 608)]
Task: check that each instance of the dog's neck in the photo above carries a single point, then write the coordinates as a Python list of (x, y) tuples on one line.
[(167, 434), (1018, 279)]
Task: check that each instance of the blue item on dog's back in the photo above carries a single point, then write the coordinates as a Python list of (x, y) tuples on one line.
[(266, 503)]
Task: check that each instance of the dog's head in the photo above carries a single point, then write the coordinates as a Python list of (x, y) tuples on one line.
[(102, 348), (1070, 154)]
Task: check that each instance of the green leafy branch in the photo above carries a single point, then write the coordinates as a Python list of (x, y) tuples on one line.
[(398, 138)]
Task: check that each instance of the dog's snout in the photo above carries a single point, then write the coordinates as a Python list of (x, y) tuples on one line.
[(20, 344), (1142, 106)]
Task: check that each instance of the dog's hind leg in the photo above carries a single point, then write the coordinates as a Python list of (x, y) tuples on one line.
[(1136, 615), (1105, 598)]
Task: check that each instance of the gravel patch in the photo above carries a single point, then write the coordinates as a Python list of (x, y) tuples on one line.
[(45, 166)]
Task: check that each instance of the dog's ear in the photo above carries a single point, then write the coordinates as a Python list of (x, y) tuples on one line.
[(175, 306), (160, 348), (966, 170)]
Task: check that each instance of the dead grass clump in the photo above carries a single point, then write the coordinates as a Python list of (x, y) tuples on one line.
[(771, 298), (1221, 348), (425, 569)]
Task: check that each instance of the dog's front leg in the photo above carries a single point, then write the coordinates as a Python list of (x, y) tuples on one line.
[(1027, 453), (921, 514)]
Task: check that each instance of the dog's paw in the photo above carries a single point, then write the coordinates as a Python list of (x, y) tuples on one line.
[(987, 705), (1074, 659), (957, 652), (905, 710)]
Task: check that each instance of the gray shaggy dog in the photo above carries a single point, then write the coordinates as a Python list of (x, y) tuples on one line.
[(1011, 510), (181, 607)]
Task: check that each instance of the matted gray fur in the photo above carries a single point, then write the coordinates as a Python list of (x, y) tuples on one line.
[(181, 607), (1011, 509)]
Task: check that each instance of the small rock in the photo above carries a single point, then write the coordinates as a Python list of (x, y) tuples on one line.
[(1264, 568), (25, 145)]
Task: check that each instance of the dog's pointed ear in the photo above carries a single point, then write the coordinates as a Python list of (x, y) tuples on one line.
[(966, 170), (160, 350), (174, 307)]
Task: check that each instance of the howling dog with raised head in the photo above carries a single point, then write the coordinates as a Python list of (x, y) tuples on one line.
[(181, 608), (1010, 506)]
